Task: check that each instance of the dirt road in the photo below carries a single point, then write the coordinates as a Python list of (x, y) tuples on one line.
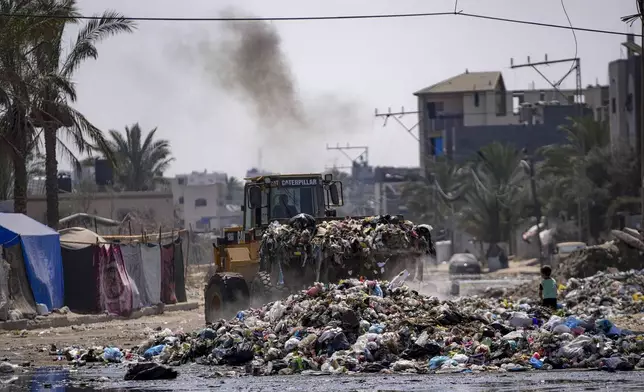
[(34, 346)]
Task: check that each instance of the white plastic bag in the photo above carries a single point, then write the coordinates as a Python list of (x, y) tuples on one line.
[(520, 320), (399, 280)]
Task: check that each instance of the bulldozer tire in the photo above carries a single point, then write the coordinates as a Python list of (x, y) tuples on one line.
[(225, 295), (262, 290)]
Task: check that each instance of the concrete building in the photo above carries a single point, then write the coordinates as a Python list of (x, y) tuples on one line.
[(202, 203), (472, 104), (150, 208), (624, 94)]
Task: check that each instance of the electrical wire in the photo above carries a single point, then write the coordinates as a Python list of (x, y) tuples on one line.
[(317, 18), (574, 35)]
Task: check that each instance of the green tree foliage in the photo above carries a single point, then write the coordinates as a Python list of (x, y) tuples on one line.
[(36, 87), (139, 160)]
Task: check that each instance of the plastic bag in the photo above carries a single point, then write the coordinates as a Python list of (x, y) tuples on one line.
[(437, 362), (520, 320), (153, 351), (112, 354), (553, 322), (536, 363), (291, 344), (460, 358), (277, 311), (399, 280), (572, 322), (561, 329)]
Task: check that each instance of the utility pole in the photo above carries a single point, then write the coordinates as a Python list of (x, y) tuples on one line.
[(583, 220), (397, 116), (361, 160), (528, 164)]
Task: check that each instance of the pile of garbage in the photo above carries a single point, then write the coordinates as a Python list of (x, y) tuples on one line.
[(370, 326), (362, 246), (590, 278), (606, 294)]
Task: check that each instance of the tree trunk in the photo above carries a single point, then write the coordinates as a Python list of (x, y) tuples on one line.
[(51, 177), (20, 179)]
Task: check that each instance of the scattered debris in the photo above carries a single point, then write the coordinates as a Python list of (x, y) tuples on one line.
[(150, 371), (349, 328)]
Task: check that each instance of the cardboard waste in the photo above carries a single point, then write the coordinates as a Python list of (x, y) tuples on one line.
[(353, 327)]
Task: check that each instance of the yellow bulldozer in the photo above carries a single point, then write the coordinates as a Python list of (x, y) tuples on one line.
[(242, 277)]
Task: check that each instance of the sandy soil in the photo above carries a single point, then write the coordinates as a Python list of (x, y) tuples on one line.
[(34, 346)]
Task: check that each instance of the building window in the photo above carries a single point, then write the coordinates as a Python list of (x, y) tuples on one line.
[(181, 200), (501, 109), (542, 96), (613, 106), (434, 109), (629, 102), (182, 181), (203, 224), (201, 203), (476, 99)]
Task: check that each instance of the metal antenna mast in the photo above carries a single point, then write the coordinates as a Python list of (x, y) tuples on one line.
[(363, 156), (397, 116)]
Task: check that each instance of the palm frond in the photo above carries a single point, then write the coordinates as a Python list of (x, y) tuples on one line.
[(110, 23)]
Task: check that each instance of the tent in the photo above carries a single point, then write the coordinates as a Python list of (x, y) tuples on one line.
[(78, 246), (96, 278), (41, 252)]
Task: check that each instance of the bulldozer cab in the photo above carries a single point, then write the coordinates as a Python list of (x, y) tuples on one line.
[(268, 199), (281, 197)]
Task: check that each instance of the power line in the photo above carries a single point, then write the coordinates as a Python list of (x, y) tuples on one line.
[(316, 18), (574, 35)]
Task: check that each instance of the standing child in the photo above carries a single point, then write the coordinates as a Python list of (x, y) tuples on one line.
[(548, 288)]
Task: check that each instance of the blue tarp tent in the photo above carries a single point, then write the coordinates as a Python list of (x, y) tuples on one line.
[(41, 251)]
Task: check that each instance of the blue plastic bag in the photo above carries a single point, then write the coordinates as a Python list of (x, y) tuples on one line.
[(377, 291), (572, 322), (536, 363), (437, 362), (153, 351), (112, 354), (377, 328)]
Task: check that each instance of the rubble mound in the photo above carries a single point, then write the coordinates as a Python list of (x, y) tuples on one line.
[(623, 253), (369, 326)]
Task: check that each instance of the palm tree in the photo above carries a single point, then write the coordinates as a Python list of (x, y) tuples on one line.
[(234, 188), (493, 204), (436, 198), (56, 90), (18, 38), (35, 167), (575, 171), (139, 162), (35, 85)]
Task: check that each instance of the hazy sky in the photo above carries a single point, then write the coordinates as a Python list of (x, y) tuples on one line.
[(163, 74)]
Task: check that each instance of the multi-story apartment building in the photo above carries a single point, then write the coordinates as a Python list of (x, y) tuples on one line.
[(461, 114)]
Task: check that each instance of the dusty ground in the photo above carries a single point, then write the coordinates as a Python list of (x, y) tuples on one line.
[(34, 346)]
